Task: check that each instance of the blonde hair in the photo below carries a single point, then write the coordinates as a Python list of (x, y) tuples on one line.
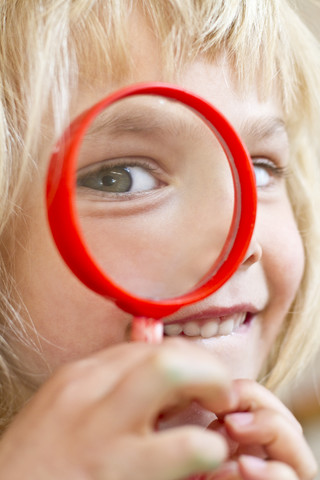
[(49, 46)]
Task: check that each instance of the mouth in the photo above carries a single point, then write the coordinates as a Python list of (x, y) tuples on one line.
[(211, 324)]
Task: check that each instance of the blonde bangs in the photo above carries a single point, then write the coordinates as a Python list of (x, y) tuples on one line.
[(282, 51), (89, 39)]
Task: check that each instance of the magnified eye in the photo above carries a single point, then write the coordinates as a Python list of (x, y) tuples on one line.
[(119, 179)]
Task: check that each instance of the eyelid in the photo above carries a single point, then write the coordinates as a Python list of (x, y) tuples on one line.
[(280, 171), (123, 161)]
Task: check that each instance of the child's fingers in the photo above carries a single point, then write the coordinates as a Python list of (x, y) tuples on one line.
[(100, 372), (172, 454), (280, 439), (229, 470), (252, 396), (94, 413), (262, 420), (137, 382), (253, 468), (167, 377)]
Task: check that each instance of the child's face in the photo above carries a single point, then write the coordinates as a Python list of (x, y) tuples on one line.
[(73, 322)]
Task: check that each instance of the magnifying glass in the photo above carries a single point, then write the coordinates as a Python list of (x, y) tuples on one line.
[(151, 201)]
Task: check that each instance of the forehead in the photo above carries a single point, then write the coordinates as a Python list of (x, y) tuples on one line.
[(217, 82)]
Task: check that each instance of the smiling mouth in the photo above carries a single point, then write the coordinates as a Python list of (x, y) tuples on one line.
[(213, 327)]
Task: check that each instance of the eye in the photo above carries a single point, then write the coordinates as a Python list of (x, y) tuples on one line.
[(266, 172), (118, 179)]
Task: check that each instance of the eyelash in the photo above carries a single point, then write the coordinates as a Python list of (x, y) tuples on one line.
[(122, 164), (274, 169)]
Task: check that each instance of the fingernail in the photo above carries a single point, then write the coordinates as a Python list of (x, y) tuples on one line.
[(239, 419), (252, 464), (196, 477)]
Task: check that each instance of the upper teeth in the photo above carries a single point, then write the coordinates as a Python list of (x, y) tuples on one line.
[(213, 328)]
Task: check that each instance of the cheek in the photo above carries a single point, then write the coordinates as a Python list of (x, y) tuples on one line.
[(70, 320), (283, 261)]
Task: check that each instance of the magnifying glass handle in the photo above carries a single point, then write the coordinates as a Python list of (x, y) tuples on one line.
[(147, 330)]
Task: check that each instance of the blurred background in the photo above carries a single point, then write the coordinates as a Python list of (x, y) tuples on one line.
[(310, 13), (303, 399)]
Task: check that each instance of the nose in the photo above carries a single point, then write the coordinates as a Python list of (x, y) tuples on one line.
[(253, 254)]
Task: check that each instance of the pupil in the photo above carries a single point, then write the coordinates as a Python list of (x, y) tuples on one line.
[(108, 181), (117, 179)]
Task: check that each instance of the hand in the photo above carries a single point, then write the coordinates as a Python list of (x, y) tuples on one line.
[(270, 442), (94, 419)]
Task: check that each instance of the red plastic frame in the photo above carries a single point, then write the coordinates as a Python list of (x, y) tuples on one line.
[(60, 194)]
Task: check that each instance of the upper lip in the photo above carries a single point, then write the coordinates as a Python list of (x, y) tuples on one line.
[(204, 314)]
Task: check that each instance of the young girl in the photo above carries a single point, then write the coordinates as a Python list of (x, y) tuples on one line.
[(78, 401)]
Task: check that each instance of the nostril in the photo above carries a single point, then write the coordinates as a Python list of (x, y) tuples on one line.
[(253, 255)]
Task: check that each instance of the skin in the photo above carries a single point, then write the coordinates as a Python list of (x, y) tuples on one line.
[(91, 419)]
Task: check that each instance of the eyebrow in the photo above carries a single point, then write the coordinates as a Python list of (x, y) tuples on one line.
[(148, 120), (121, 122), (264, 127)]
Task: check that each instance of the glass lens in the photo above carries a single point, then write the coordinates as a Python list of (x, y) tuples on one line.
[(154, 196)]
